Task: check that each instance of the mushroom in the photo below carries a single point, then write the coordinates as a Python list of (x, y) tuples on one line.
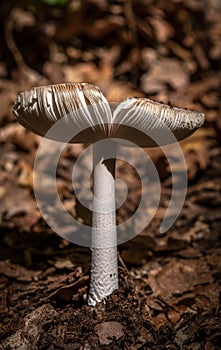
[(86, 111)]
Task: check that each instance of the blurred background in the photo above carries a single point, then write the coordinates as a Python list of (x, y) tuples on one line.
[(168, 51)]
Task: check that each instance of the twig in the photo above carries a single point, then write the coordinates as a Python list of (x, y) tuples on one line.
[(28, 72), (123, 264)]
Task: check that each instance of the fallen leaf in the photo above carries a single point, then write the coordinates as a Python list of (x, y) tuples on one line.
[(179, 276), (18, 272), (65, 293), (165, 71)]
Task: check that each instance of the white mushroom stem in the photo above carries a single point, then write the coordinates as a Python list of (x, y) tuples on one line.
[(104, 267)]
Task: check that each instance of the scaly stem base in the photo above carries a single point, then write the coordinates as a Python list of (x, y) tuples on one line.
[(104, 267)]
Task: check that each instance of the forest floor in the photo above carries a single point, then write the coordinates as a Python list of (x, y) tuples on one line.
[(170, 283)]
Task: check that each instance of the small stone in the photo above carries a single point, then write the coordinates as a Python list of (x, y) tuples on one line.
[(108, 331)]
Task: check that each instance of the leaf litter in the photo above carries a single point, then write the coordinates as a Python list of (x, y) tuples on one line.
[(169, 295)]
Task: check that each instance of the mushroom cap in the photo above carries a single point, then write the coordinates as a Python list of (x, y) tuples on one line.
[(149, 123), (81, 106), (85, 111)]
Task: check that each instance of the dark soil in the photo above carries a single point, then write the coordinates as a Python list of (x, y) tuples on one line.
[(170, 283)]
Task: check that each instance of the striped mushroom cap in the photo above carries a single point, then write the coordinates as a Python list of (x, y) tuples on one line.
[(85, 110), (82, 106), (149, 123)]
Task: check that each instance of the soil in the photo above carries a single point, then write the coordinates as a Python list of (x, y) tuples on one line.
[(170, 283)]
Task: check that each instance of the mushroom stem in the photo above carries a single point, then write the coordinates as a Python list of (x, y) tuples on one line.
[(104, 267)]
